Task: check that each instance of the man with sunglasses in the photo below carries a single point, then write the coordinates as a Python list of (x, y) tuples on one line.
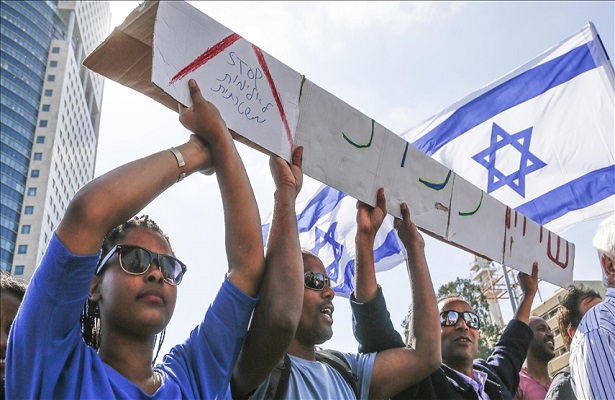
[(378, 375), (460, 376)]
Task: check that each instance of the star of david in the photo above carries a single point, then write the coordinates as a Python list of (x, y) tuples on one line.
[(527, 164), (322, 239)]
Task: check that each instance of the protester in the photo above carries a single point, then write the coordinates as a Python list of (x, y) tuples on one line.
[(11, 295), (375, 375), (534, 379), (277, 314), (460, 376), (572, 308), (592, 352), (135, 284)]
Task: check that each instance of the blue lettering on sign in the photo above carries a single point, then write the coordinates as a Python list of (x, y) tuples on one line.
[(241, 88)]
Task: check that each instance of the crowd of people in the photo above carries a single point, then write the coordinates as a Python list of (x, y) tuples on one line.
[(92, 319)]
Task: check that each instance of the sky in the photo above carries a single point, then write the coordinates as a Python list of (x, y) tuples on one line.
[(397, 62)]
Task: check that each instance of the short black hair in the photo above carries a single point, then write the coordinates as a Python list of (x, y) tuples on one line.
[(11, 285), (116, 234), (568, 313)]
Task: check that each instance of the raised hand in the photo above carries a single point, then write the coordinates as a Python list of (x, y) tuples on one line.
[(288, 175), (369, 219), (203, 118), (529, 283), (407, 231)]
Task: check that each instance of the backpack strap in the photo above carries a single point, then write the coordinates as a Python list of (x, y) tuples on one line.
[(278, 383), (335, 359)]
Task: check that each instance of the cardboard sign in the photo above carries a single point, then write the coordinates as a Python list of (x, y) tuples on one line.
[(273, 108)]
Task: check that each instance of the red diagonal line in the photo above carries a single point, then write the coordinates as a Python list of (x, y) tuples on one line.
[(276, 95), (206, 56)]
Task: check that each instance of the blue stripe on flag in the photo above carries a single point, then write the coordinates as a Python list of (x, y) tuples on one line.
[(511, 93), (389, 248), (320, 205), (574, 195)]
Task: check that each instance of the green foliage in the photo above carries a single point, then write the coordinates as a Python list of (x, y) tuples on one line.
[(470, 291)]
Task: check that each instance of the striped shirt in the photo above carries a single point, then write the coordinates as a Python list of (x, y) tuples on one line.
[(592, 353)]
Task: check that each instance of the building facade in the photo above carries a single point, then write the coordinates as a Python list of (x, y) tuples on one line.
[(50, 114), (548, 311)]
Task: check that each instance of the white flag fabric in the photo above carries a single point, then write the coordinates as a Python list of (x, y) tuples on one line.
[(327, 228), (541, 138)]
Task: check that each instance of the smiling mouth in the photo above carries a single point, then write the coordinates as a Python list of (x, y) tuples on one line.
[(463, 339), (328, 312)]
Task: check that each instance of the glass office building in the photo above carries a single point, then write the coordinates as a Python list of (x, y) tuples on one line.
[(49, 115)]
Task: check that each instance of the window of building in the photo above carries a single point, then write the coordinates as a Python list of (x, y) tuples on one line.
[(38, 156), (19, 269), (40, 139), (25, 229), (31, 191), (48, 92), (6, 268), (55, 50), (42, 123), (53, 64), (51, 78), (46, 107), (29, 210), (35, 173), (22, 249)]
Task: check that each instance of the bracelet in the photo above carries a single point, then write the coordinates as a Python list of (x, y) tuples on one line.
[(180, 161)]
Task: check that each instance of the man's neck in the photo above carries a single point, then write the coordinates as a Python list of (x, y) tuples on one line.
[(539, 370), (464, 368), (298, 349)]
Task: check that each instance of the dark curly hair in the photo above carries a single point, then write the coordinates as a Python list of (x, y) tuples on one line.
[(568, 313), (90, 315)]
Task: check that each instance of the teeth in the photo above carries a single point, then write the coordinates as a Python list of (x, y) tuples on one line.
[(326, 311)]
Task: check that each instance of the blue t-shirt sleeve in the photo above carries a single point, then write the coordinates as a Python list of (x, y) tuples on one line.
[(47, 326), (203, 365), (362, 365)]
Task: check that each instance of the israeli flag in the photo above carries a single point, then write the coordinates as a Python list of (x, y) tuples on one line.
[(541, 138), (327, 228)]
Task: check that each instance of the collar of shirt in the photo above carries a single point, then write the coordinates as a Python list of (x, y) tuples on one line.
[(478, 383)]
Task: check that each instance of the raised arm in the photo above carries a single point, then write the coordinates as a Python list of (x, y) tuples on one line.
[(244, 245), (278, 312), (399, 368), (118, 195)]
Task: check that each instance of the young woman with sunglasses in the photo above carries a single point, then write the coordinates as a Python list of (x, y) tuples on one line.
[(135, 286)]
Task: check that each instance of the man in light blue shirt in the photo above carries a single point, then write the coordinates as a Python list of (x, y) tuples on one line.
[(592, 353)]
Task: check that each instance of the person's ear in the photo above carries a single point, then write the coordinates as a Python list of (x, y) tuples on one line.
[(95, 289), (608, 267), (571, 331)]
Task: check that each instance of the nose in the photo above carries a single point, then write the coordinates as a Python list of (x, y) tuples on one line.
[(328, 293), (461, 324), (154, 274)]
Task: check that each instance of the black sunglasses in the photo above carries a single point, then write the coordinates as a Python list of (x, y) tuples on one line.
[(316, 280), (136, 260), (450, 318)]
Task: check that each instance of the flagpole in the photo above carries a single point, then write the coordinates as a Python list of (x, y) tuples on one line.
[(513, 303)]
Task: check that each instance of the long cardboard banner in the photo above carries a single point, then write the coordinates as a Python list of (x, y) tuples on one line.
[(274, 109)]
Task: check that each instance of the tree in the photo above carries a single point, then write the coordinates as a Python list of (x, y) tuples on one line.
[(471, 292)]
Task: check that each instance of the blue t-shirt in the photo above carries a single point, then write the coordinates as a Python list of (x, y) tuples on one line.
[(318, 380), (48, 358)]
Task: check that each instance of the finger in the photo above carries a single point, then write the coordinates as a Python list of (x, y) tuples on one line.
[(297, 157), (195, 92), (181, 107), (381, 201), (535, 269), (405, 212)]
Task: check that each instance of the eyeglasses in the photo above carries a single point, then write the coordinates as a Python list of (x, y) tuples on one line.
[(316, 280), (136, 260), (450, 318)]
